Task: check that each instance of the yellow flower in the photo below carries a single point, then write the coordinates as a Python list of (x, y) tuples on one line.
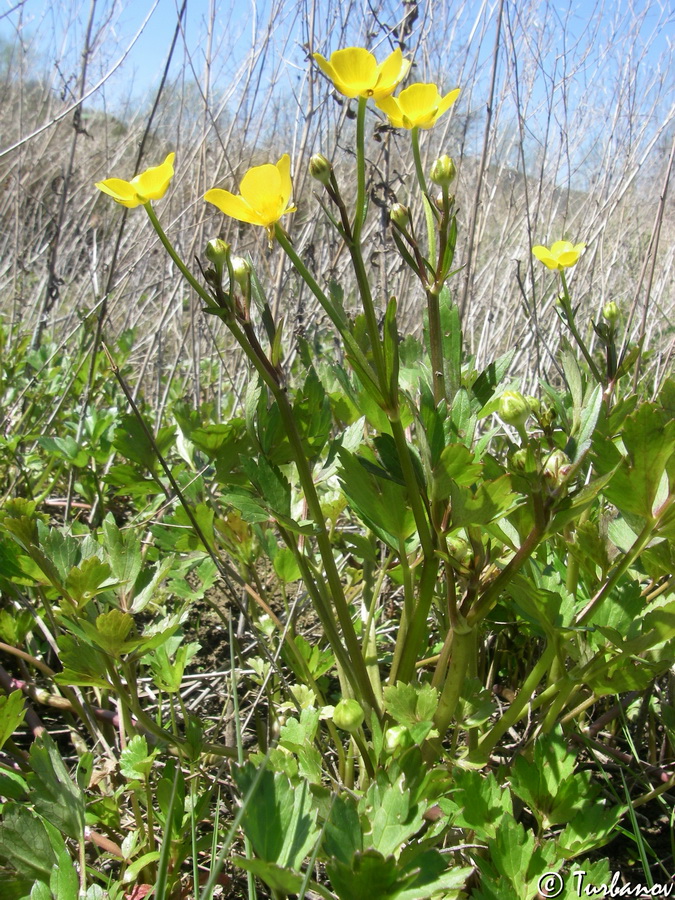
[(149, 185), (264, 197), (418, 106), (561, 255), (356, 73)]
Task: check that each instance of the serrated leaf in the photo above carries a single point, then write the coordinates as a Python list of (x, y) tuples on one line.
[(53, 792), (24, 842), (409, 704), (124, 551), (491, 500), (12, 714), (370, 875), (280, 818), (136, 760)]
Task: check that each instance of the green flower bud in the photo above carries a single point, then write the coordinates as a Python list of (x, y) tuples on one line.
[(217, 252), (534, 404), (610, 311), (514, 408), (348, 715), (400, 215), (241, 270), (443, 171), (320, 168), (519, 460), (397, 738), (556, 467)]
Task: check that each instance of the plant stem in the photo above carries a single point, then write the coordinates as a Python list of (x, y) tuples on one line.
[(436, 344), (428, 212), (517, 709), (359, 214), (463, 647), (569, 321)]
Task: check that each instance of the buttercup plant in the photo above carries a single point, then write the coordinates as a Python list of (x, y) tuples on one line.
[(484, 571)]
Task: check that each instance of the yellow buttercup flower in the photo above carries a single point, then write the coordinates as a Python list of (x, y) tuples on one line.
[(418, 106), (149, 185), (561, 255), (265, 194), (356, 73)]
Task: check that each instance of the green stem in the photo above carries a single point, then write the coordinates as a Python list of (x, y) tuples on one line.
[(357, 672), (463, 648), (436, 345), (639, 545), (168, 246), (403, 669), (573, 328), (516, 710), (428, 211), (365, 369), (359, 214)]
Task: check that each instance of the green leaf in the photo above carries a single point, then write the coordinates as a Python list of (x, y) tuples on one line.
[(456, 465), (409, 704), (296, 734), (24, 842), (650, 442), (282, 881), (88, 579), (132, 441), (342, 836), (378, 501), (491, 500), (369, 875), (12, 714), (590, 828), (136, 761), (478, 803), (53, 793), (280, 818), (12, 785), (286, 566), (577, 445), (124, 551), (392, 816), (111, 631), (82, 663)]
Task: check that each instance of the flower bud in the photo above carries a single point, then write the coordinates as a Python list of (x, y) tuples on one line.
[(241, 271), (556, 467), (397, 737), (348, 715), (443, 171), (610, 311), (514, 408), (217, 252), (519, 460), (534, 404), (320, 168), (400, 215)]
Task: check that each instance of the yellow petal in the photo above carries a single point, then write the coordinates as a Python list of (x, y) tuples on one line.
[(233, 206), (561, 247), (447, 101), (391, 73), (390, 107), (121, 191), (261, 188), (544, 255), (153, 183), (284, 167), (419, 101), (355, 71)]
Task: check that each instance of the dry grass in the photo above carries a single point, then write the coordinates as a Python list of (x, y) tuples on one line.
[(564, 128)]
